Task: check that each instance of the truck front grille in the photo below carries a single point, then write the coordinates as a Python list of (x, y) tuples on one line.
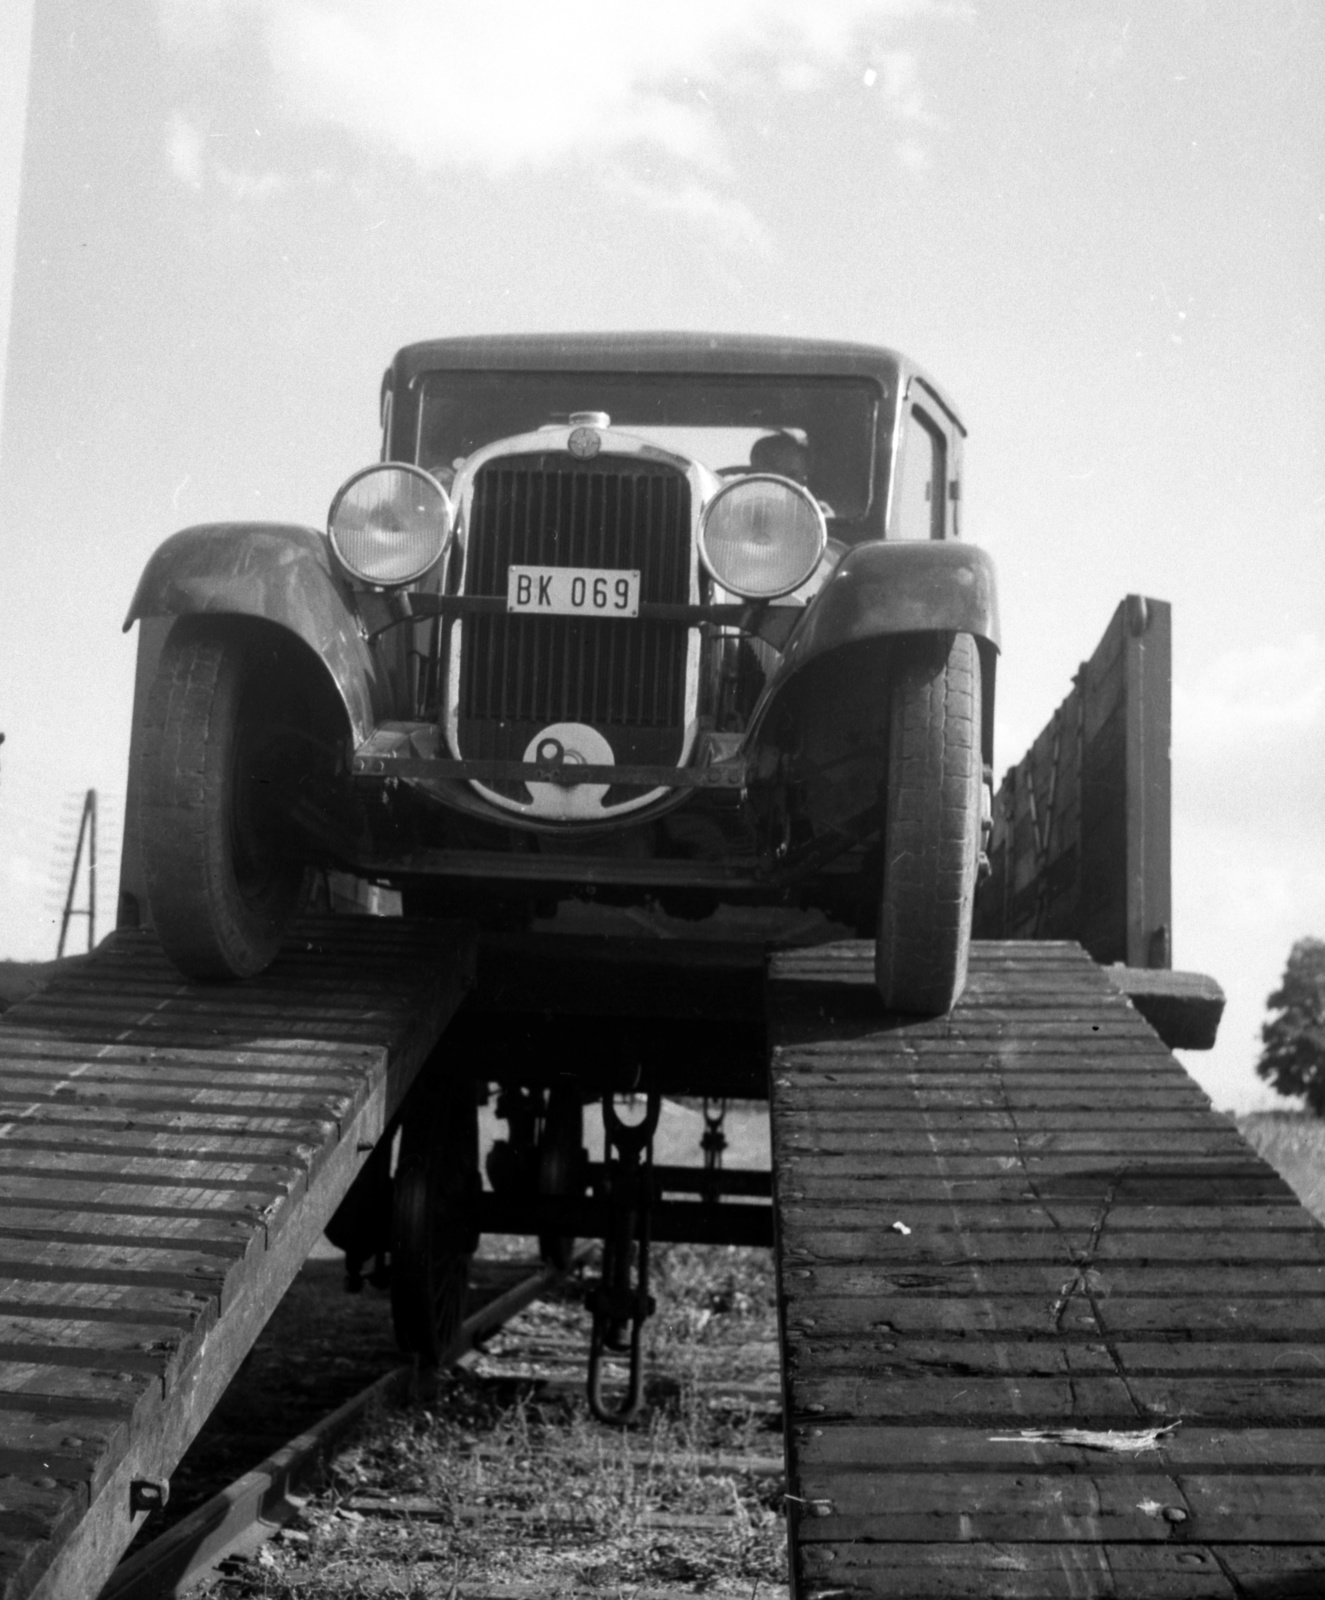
[(519, 674)]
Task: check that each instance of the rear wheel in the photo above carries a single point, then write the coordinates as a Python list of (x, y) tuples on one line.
[(223, 875), (931, 830), (561, 1162), (432, 1235)]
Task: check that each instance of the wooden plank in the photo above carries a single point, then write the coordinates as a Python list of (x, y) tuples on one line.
[(194, 1231), (1103, 1169), (149, 1172), (1158, 1186), (1117, 1281), (90, 1302), (846, 1137), (81, 1254), (883, 1448), (28, 1054), (926, 1245), (133, 1097), (238, 1015), (1171, 1223), (302, 1124), (169, 1082), (99, 1194), (1017, 1570), (1100, 1508), (130, 1141), (1052, 1049), (1081, 1400), (925, 1099), (90, 1027), (906, 1087), (875, 1352), (837, 1110), (1098, 1025), (332, 969), (1259, 1318)]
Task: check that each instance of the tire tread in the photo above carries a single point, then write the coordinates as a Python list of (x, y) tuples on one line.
[(204, 924), (931, 826)]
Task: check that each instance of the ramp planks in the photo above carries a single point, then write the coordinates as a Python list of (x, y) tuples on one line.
[(1050, 1328), (169, 1152)]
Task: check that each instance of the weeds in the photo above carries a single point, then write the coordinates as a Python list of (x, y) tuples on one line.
[(506, 1480)]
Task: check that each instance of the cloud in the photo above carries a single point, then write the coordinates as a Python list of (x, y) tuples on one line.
[(23, 873), (1249, 742), (717, 213), (188, 159), (901, 85), (912, 156), (201, 25), (519, 85), (1255, 692), (184, 151), (240, 185)]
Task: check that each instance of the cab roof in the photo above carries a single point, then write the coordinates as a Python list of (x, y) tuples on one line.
[(725, 353)]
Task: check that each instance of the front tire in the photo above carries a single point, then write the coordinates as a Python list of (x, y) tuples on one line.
[(931, 831), (223, 879)]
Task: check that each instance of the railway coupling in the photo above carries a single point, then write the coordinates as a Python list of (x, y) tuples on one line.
[(620, 1301), (627, 1200)]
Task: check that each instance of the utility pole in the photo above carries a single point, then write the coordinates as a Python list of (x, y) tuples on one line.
[(87, 829)]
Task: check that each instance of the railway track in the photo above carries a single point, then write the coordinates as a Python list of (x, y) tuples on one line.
[(702, 1476)]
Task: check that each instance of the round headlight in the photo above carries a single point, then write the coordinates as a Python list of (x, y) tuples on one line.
[(389, 524), (762, 536)]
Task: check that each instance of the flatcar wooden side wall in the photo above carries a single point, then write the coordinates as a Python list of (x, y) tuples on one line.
[(1081, 841)]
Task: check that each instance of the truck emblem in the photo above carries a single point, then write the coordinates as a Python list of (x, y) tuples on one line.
[(563, 746)]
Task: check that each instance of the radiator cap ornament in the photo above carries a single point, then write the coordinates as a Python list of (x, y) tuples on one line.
[(585, 438)]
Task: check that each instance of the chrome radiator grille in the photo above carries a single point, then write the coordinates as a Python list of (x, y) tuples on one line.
[(518, 674)]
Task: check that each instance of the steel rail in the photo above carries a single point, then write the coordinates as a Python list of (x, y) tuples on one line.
[(255, 1506)]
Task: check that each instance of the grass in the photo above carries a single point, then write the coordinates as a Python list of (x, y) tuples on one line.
[(504, 1486), (1293, 1142)]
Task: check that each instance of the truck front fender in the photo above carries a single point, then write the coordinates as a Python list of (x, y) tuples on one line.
[(877, 592), (276, 571), (901, 587)]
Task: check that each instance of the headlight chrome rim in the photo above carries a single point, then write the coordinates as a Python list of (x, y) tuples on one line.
[(429, 524), (740, 488)]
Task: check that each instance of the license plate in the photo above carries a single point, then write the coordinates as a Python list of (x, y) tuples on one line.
[(573, 591)]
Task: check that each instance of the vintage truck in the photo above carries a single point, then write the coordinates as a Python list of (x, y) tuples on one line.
[(661, 619)]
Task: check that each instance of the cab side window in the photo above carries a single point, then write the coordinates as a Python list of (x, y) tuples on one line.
[(919, 501)]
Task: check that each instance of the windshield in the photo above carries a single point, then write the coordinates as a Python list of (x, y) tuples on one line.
[(821, 431)]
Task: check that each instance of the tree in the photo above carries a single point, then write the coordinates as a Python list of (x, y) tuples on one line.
[(1293, 1059)]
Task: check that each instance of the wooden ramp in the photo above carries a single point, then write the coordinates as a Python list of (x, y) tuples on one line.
[(1049, 1327), (169, 1153)]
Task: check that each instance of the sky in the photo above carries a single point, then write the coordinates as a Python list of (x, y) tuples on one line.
[(1100, 225)]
